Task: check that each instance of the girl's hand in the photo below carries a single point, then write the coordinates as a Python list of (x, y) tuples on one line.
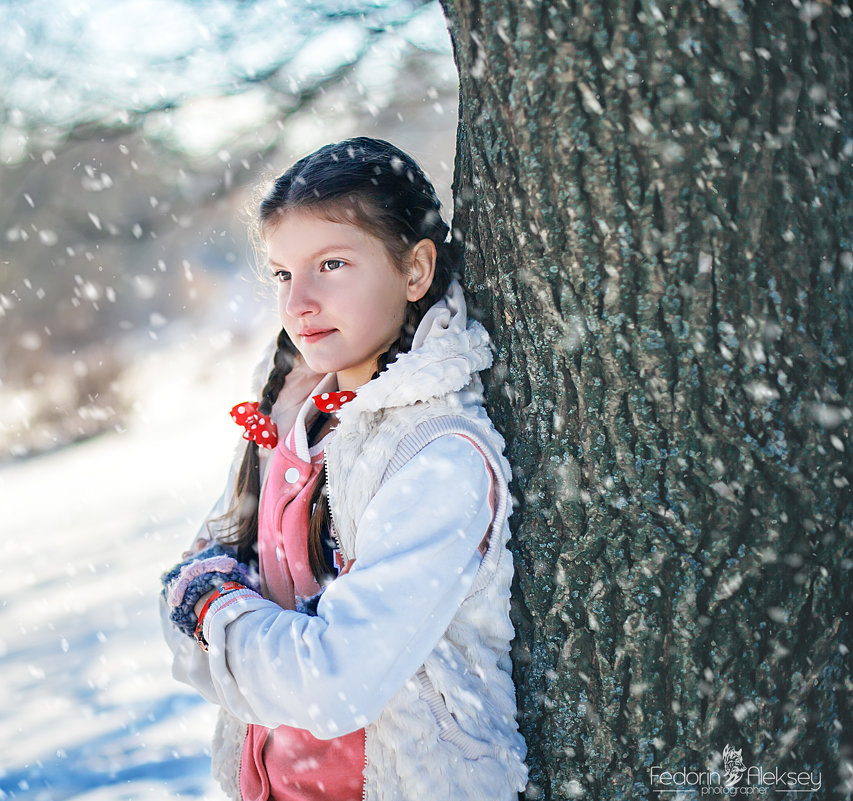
[(199, 545), (191, 582), (201, 602)]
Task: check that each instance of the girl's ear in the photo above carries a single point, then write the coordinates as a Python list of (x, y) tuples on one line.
[(421, 270)]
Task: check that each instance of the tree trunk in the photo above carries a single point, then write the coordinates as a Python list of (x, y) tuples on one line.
[(657, 206)]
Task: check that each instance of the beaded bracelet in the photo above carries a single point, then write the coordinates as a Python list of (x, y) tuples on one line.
[(228, 586)]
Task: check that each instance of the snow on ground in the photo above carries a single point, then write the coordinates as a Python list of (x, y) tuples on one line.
[(88, 708)]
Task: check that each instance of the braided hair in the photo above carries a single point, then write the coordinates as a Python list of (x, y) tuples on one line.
[(376, 186)]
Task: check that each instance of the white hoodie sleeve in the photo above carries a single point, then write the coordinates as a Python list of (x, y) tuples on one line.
[(416, 559)]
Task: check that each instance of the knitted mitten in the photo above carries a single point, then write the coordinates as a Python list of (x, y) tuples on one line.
[(204, 571)]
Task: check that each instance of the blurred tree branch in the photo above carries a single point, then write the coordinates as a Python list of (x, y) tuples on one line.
[(40, 62)]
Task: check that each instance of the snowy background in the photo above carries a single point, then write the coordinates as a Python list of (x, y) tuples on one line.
[(89, 709), (130, 324)]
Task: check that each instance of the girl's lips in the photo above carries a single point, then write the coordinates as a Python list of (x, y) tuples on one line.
[(316, 335)]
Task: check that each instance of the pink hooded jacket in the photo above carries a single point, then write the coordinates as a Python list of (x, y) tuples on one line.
[(287, 763)]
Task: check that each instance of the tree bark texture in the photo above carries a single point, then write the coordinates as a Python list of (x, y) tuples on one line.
[(656, 204)]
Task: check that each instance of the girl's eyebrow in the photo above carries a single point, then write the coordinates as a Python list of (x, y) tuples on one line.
[(319, 253)]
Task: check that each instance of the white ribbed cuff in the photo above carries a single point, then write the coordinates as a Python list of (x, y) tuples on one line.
[(222, 603)]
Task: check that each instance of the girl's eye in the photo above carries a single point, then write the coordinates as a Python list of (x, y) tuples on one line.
[(283, 275)]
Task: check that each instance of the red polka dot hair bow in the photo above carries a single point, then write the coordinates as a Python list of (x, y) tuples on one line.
[(258, 426), (332, 401)]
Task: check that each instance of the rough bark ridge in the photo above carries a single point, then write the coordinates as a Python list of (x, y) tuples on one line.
[(657, 206)]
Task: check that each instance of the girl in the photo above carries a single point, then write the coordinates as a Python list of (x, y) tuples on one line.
[(351, 594)]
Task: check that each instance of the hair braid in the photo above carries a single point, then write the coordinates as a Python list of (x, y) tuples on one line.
[(243, 515), (282, 364)]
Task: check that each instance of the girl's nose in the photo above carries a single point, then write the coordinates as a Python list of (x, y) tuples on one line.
[(301, 298)]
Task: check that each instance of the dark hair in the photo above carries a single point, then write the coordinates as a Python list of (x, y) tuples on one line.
[(376, 186)]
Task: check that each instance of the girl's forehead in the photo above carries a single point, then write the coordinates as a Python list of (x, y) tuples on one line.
[(302, 233), (294, 225)]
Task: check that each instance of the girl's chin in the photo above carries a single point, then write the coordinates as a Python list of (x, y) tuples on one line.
[(322, 366), (318, 365), (353, 374)]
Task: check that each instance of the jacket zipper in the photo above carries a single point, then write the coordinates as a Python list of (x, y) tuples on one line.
[(364, 771), (240, 765), (329, 501), (346, 561)]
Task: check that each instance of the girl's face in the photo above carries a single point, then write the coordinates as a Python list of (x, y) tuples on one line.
[(341, 300)]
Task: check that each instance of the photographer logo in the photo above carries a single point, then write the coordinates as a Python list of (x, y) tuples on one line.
[(737, 779)]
